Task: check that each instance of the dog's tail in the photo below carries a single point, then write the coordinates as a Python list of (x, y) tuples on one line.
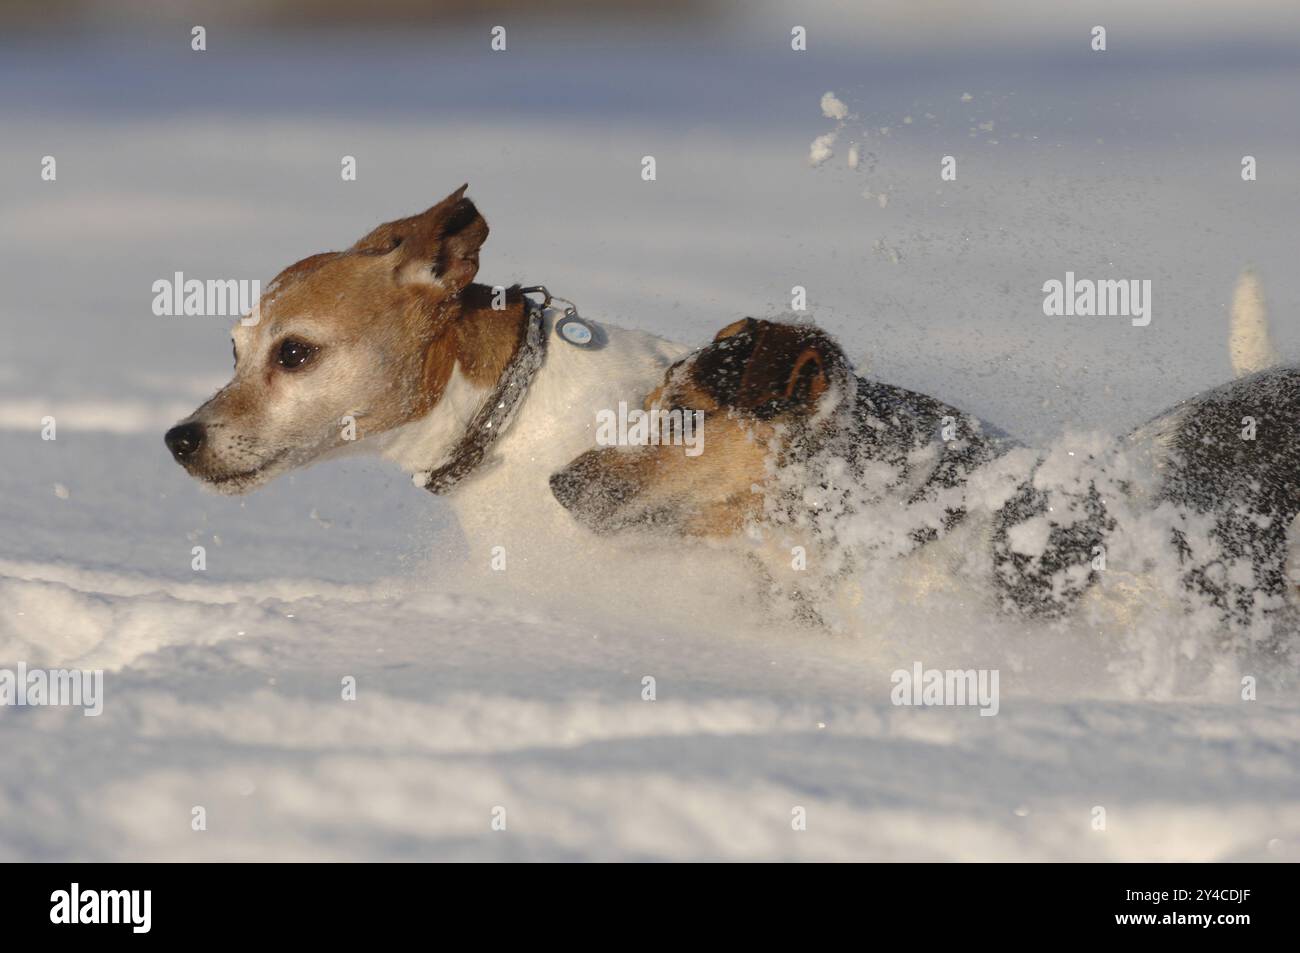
[(1252, 349), (1249, 342)]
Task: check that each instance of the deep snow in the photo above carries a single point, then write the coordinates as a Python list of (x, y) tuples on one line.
[(223, 687)]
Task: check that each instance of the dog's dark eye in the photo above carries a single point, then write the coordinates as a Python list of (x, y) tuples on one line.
[(294, 353)]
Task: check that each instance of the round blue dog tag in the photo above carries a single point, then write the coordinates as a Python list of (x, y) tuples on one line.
[(574, 330)]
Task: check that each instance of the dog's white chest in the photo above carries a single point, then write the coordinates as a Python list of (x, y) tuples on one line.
[(508, 502)]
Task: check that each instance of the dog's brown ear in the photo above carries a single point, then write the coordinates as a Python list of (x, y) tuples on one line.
[(790, 369), (439, 246), (737, 327), (765, 368)]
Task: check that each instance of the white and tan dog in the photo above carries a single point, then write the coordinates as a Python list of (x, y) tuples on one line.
[(391, 346)]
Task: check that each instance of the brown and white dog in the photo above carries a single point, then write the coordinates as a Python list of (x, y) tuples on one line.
[(391, 346)]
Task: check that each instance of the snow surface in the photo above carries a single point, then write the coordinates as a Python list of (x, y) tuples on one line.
[(224, 687)]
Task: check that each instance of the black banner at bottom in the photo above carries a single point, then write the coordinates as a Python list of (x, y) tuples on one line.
[(140, 902)]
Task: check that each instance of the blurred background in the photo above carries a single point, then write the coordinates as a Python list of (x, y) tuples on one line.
[(225, 163)]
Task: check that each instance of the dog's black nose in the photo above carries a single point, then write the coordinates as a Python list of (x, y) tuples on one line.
[(567, 488), (184, 440)]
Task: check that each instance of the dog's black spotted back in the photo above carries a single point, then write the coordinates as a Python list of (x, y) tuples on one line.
[(1235, 455), (1231, 454)]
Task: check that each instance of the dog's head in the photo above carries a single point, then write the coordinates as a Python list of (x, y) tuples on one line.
[(762, 388), (343, 345)]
